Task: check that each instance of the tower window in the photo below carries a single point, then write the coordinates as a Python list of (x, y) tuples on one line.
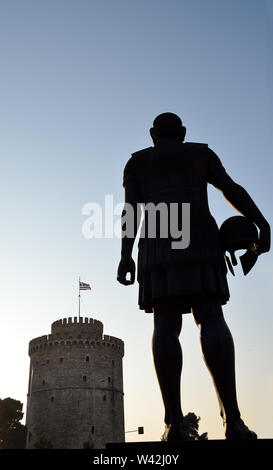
[(87, 358), (52, 399), (61, 359), (104, 397), (43, 382), (109, 380), (113, 362), (92, 429), (84, 378)]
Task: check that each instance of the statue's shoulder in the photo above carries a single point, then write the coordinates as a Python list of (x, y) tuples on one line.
[(141, 153), (135, 161), (139, 158), (197, 151), (196, 145)]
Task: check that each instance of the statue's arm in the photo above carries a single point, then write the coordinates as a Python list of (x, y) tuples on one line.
[(131, 217), (130, 221), (239, 198)]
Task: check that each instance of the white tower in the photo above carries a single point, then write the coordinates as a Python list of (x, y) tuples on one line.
[(75, 393)]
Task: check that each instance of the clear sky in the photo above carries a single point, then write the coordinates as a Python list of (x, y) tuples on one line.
[(80, 84)]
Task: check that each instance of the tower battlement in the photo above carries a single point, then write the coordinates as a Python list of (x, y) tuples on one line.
[(77, 332), (75, 323)]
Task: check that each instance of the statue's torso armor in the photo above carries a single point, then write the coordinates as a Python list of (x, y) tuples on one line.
[(177, 173)]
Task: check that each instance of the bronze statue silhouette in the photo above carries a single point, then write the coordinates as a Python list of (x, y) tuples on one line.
[(173, 282)]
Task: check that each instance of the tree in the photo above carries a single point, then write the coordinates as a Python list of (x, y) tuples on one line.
[(191, 425), (12, 432)]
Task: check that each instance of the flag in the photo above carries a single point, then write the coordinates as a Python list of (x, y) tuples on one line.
[(84, 286)]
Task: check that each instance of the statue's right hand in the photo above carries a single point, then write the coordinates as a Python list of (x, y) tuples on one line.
[(126, 265)]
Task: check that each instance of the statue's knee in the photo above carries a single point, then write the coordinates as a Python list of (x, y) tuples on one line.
[(206, 313), (167, 322)]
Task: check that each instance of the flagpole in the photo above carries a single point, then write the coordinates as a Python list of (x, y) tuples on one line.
[(82, 286), (79, 298)]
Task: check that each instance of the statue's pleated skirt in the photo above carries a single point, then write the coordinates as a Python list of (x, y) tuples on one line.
[(183, 288)]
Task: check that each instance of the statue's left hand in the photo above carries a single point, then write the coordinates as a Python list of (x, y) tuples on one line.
[(126, 265)]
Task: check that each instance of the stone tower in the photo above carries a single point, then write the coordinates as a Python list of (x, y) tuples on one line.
[(75, 392)]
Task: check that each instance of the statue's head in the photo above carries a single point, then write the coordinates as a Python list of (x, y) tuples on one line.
[(167, 126)]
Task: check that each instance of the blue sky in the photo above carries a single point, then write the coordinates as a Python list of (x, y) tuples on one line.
[(80, 84)]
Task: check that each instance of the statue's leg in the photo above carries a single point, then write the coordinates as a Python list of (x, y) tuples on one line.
[(167, 355), (218, 352)]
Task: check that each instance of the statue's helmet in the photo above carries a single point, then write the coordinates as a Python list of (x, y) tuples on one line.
[(238, 233)]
